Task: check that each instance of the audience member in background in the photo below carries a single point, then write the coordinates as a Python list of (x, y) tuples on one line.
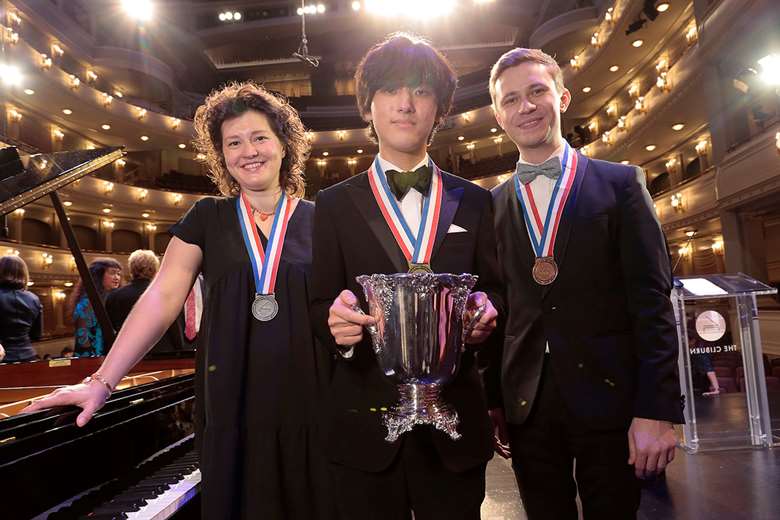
[(21, 315), (143, 265), (106, 273)]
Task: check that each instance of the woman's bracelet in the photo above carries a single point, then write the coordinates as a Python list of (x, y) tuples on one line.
[(100, 379)]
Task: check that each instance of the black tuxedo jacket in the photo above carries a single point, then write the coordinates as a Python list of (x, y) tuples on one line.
[(607, 317), (351, 238), (120, 302)]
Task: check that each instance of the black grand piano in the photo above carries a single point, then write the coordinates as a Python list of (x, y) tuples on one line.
[(136, 458)]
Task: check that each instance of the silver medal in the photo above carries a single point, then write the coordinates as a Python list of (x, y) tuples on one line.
[(265, 307)]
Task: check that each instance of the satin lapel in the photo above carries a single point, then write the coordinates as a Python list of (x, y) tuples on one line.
[(517, 222), (449, 206), (568, 217), (363, 198)]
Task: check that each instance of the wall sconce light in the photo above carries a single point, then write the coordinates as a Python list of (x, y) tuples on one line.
[(108, 187), (56, 50), (57, 134), (151, 227), (701, 147), (12, 252), (595, 40), (678, 202), (58, 295), (351, 161), (200, 156), (777, 141), (91, 76), (120, 163), (177, 198), (684, 250), (11, 36), (663, 64), (321, 162), (45, 62), (593, 126), (141, 113), (175, 123), (341, 135), (75, 82), (717, 247), (662, 82), (670, 165), (19, 212), (46, 260), (622, 124), (691, 33), (14, 115), (466, 117), (107, 99), (612, 109), (606, 137), (118, 93), (470, 146), (639, 105), (575, 62), (633, 89), (14, 18), (498, 139), (309, 136), (608, 15), (108, 224)]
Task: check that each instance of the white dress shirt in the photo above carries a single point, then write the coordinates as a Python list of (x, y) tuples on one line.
[(542, 188), (412, 203)]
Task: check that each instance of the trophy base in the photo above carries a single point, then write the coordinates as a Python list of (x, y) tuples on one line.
[(420, 404)]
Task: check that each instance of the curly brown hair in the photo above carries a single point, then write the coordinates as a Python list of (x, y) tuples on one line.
[(401, 60), (234, 100)]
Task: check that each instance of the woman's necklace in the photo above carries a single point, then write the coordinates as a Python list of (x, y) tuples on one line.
[(262, 214)]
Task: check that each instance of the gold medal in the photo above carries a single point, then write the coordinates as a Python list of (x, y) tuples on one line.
[(545, 270)]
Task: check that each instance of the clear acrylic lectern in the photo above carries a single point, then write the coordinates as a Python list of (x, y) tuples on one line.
[(721, 363)]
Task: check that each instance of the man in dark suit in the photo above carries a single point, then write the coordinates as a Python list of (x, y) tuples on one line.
[(589, 365), (143, 265), (404, 90)]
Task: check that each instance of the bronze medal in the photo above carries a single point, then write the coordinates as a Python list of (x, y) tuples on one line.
[(545, 270), (419, 268), (265, 307)]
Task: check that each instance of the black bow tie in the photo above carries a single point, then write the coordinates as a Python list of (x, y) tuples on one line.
[(401, 182)]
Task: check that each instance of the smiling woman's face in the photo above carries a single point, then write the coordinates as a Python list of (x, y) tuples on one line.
[(253, 153)]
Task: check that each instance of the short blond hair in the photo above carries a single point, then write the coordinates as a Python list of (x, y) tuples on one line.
[(143, 264), (521, 55)]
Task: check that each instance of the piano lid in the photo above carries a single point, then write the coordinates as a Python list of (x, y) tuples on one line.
[(25, 179)]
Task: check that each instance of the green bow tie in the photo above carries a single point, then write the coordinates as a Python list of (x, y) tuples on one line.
[(401, 182), (528, 172)]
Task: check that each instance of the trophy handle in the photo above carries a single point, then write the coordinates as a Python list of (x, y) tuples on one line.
[(472, 322), (370, 328)]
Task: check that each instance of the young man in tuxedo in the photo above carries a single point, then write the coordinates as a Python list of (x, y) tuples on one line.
[(588, 372), (404, 91)]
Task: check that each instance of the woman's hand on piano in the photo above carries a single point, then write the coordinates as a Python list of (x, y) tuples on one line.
[(89, 397)]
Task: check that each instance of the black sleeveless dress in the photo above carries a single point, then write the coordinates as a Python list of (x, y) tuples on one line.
[(260, 385)]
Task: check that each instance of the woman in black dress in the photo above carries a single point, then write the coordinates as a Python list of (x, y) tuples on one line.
[(260, 377)]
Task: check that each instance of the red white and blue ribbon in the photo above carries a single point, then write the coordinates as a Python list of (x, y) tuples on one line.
[(265, 262), (417, 248), (543, 234)]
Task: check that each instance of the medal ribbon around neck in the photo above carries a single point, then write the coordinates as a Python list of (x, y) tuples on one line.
[(265, 263), (416, 248), (543, 234)]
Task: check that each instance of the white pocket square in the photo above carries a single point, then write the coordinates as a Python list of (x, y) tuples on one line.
[(455, 229)]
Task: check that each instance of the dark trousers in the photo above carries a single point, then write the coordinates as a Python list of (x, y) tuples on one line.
[(416, 481), (550, 449)]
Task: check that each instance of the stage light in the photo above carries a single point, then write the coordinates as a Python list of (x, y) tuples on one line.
[(141, 10), (410, 8), (11, 75), (356, 6), (770, 69)]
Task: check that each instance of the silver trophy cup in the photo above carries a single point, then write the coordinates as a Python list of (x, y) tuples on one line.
[(418, 338)]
